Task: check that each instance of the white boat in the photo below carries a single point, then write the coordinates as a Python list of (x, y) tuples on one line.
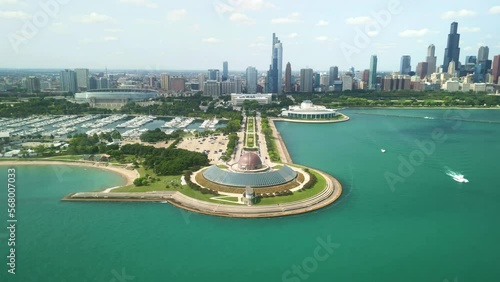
[(382, 150), (457, 177)]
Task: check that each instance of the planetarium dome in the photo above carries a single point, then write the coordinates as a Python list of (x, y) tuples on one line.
[(250, 161)]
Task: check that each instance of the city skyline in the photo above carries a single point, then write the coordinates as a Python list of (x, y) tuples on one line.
[(127, 34)]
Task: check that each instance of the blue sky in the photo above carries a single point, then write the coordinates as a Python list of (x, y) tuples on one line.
[(197, 34)]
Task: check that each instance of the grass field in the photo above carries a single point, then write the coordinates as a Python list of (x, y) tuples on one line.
[(166, 183)]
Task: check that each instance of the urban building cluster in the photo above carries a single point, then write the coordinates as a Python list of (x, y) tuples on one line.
[(477, 74)]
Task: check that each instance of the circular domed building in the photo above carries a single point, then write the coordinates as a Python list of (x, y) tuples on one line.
[(250, 161)]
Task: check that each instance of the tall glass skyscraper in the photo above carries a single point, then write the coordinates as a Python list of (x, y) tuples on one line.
[(275, 73), (225, 71), (372, 81), (288, 78), (452, 51), (251, 80), (405, 67), (333, 75)]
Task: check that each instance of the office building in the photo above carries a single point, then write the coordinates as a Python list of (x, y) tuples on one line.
[(333, 75), (422, 68), (102, 83), (452, 50), (32, 84), (496, 69), (372, 81), (213, 74), (275, 73), (82, 78), (288, 78), (347, 83), (306, 80), (212, 88), (68, 81), (431, 59), (225, 71), (177, 83), (251, 80), (165, 78), (405, 66)]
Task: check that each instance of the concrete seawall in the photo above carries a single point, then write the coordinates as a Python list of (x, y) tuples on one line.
[(327, 196), (280, 144)]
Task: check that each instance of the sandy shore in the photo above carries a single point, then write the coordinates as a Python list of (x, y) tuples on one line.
[(128, 175)]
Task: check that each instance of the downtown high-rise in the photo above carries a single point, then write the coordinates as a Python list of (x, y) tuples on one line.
[(372, 81), (452, 50), (275, 73), (288, 78), (431, 59), (251, 80), (225, 71), (68, 81), (405, 67), (333, 75), (306, 80)]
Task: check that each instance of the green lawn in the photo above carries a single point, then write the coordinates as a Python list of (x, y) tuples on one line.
[(297, 196), (157, 186), (222, 166), (250, 140), (66, 158)]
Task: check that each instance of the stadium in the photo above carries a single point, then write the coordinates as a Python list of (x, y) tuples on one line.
[(114, 98)]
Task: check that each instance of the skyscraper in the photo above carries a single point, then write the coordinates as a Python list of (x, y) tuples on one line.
[(82, 78), (483, 53), (431, 59), (452, 51), (68, 81), (372, 82), (165, 79), (496, 69), (251, 78), (366, 76), (288, 78), (225, 71), (32, 84), (422, 68), (275, 73), (405, 67), (483, 63), (213, 74), (333, 75), (306, 80)]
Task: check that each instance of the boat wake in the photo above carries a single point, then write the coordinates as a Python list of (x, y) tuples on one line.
[(457, 176)]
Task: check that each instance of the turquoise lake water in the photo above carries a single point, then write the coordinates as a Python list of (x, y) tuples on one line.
[(420, 225)]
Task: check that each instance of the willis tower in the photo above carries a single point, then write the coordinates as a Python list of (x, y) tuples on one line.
[(452, 51)]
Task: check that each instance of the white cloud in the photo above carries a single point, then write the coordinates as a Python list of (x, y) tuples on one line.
[(142, 3), (359, 20), (110, 38), (321, 38), (176, 15), (253, 5), (470, 29), (147, 21), (95, 18), (450, 15), (293, 35), (211, 40), (322, 23), (468, 48), (58, 28), (495, 10), (14, 15), (292, 18), (114, 30), (373, 33), (415, 32), (241, 18), (8, 2)]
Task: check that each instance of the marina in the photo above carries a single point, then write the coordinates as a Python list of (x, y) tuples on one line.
[(59, 126)]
